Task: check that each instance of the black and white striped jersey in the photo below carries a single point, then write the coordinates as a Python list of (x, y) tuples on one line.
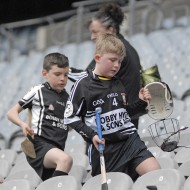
[(91, 92), (47, 108)]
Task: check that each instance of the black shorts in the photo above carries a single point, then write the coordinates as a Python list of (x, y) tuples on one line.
[(42, 146), (123, 156)]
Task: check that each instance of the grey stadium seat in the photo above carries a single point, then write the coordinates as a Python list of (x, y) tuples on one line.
[(20, 184), (27, 174), (60, 182), (5, 168), (184, 168), (115, 180), (162, 179), (187, 184)]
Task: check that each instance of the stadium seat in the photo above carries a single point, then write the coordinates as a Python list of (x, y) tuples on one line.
[(148, 141), (184, 168), (184, 139), (88, 176), (182, 155), (28, 174), (80, 159), (143, 131), (158, 152), (87, 47), (187, 184), (19, 166), (21, 157), (20, 184), (5, 168), (75, 148), (15, 140), (79, 172), (115, 181), (162, 179), (167, 163), (9, 155), (3, 143), (60, 182), (74, 138), (186, 100), (71, 51)]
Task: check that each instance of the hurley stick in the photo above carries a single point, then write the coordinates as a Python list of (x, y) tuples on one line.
[(101, 149), (27, 146)]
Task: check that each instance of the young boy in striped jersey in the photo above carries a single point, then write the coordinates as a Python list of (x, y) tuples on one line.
[(47, 131)]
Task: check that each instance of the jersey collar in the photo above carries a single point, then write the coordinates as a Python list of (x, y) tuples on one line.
[(47, 85)]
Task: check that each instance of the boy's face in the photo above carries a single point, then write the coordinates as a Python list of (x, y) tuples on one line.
[(56, 77), (107, 65)]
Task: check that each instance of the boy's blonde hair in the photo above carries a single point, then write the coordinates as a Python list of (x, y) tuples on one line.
[(108, 43)]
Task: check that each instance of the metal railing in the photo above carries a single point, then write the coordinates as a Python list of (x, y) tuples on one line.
[(74, 20)]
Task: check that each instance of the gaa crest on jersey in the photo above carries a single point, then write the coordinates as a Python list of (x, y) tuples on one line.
[(51, 107), (68, 109), (124, 98)]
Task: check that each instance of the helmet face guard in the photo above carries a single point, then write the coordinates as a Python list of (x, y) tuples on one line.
[(165, 132), (161, 104)]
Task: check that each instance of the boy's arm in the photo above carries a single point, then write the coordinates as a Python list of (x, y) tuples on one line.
[(86, 132), (13, 116), (76, 109), (137, 108)]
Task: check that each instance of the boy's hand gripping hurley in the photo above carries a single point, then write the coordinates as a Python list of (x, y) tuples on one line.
[(101, 149)]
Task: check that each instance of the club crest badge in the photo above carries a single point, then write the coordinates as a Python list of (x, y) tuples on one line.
[(68, 109), (51, 107)]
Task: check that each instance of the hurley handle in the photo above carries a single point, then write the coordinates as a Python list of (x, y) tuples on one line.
[(99, 128)]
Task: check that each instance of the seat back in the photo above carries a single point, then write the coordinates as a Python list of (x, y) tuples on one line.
[(60, 182), (9, 155), (162, 179), (184, 168), (187, 184), (20, 184), (115, 180), (28, 174), (5, 168)]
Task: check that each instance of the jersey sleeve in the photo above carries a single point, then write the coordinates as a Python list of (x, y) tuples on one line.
[(75, 111), (136, 108), (75, 74), (26, 101)]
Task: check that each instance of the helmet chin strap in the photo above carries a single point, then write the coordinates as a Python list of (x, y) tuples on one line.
[(170, 146)]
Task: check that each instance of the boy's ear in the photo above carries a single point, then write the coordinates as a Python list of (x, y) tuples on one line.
[(44, 72), (97, 57)]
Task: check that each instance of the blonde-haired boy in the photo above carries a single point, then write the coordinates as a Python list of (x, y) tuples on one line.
[(124, 151)]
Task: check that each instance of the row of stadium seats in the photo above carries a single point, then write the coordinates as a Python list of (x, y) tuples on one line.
[(17, 174)]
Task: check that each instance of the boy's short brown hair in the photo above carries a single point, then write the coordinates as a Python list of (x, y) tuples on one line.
[(108, 43), (55, 59)]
